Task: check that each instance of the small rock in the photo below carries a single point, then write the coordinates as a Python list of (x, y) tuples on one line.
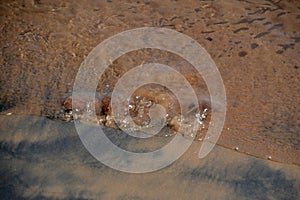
[(242, 53), (178, 27), (209, 39), (106, 107), (80, 103), (254, 46), (174, 123), (110, 122)]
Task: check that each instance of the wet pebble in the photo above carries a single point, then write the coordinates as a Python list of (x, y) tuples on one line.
[(269, 157)]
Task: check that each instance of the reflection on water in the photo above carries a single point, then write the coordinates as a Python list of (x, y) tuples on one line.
[(45, 159)]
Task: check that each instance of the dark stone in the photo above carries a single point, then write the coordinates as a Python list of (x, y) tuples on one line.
[(7, 103), (254, 46), (279, 51), (197, 9), (209, 39), (242, 53)]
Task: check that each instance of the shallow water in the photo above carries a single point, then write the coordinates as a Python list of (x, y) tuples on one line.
[(42, 158), (255, 45)]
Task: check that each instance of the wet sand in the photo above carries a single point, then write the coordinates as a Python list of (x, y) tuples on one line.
[(255, 45)]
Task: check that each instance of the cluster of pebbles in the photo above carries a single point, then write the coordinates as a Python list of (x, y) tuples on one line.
[(136, 113)]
